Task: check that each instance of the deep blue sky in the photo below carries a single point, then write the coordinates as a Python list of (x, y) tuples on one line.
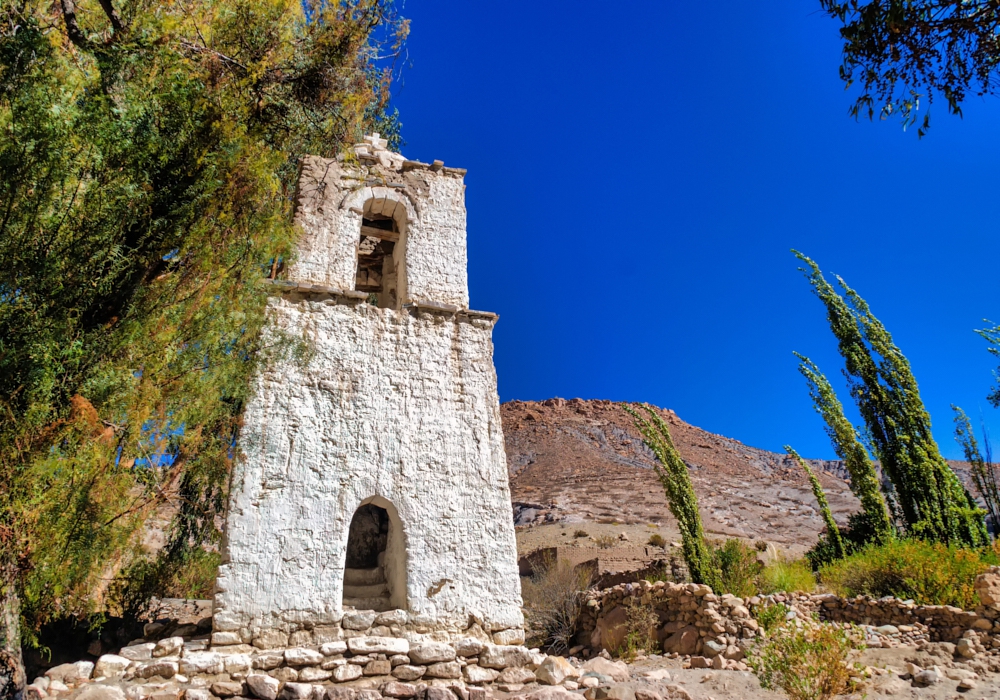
[(637, 175)]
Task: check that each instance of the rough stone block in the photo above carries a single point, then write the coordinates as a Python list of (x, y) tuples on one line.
[(616, 670), (554, 670), (516, 674), (340, 693), (378, 667), (303, 657), (381, 645), (95, 691), (313, 675), (138, 652), (438, 693), (469, 646), (509, 636), (171, 646), (236, 663), (296, 691), (477, 675), (270, 639), (408, 672), (198, 694), (201, 662), (431, 652), (263, 686), (444, 669), (347, 672), (156, 667), (70, 673), (285, 674), (501, 656), (395, 689), (333, 648), (227, 689), (391, 617), (360, 620), (220, 639), (111, 666), (268, 660)]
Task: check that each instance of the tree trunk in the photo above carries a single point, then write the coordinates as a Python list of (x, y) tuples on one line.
[(11, 664)]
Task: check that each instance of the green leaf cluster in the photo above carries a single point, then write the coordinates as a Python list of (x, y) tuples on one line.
[(148, 159)]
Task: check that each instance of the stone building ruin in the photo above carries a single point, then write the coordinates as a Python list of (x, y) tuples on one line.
[(374, 476)]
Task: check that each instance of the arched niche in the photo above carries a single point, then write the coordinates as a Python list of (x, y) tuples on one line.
[(375, 558), (381, 269)]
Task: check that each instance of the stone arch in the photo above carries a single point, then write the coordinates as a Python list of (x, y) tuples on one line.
[(380, 223), (375, 558)]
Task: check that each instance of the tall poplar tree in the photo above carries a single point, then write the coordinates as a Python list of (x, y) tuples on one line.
[(931, 498), (148, 158), (874, 523)]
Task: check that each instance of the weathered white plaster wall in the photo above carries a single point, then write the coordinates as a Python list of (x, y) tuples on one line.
[(330, 197), (399, 404), (393, 405)]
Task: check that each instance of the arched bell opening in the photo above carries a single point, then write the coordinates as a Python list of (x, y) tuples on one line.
[(375, 563), (381, 268)]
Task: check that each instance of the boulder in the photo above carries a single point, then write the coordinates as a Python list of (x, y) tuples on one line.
[(712, 648), (554, 670), (296, 691), (227, 689), (617, 670), (615, 692), (647, 694), (263, 686), (928, 676), (683, 642), (70, 673), (171, 646), (95, 691), (111, 666), (431, 652), (157, 667), (987, 586), (611, 628)]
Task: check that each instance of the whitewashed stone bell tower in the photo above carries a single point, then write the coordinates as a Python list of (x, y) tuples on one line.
[(374, 475)]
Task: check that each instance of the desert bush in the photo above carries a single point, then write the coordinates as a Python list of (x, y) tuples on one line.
[(769, 617), (641, 622), (656, 540), (787, 575), (929, 573), (581, 533), (739, 568), (606, 541), (811, 662), (760, 545), (552, 603)]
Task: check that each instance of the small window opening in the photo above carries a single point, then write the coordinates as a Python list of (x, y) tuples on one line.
[(377, 268), (366, 585)]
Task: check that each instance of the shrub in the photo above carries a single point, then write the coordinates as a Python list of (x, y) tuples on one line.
[(770, 616), (808, 663), (656, 540), (739, 567), (641, 622), (929, 573), (760, 545), (552, 603), (789, 575), (606, 541), (581, 533)]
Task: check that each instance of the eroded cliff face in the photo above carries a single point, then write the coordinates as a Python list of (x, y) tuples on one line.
[(579, 461)]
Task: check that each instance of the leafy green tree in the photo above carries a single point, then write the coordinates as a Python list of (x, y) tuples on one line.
[(681, 498), (832, 529), (148, 161), (931, 498), (982, 467), (876, 523), (905, 52)]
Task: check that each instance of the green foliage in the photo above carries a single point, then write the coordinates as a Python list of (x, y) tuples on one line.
[(982, 467), (864, 480), (641, 622), (656, 540), (929, 573), (681, 499), (832, 529), (147, 168), (811, 662), (738, 567), (930, 497), (904, 52), (787, 575), (553, 598), (770, 616)]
